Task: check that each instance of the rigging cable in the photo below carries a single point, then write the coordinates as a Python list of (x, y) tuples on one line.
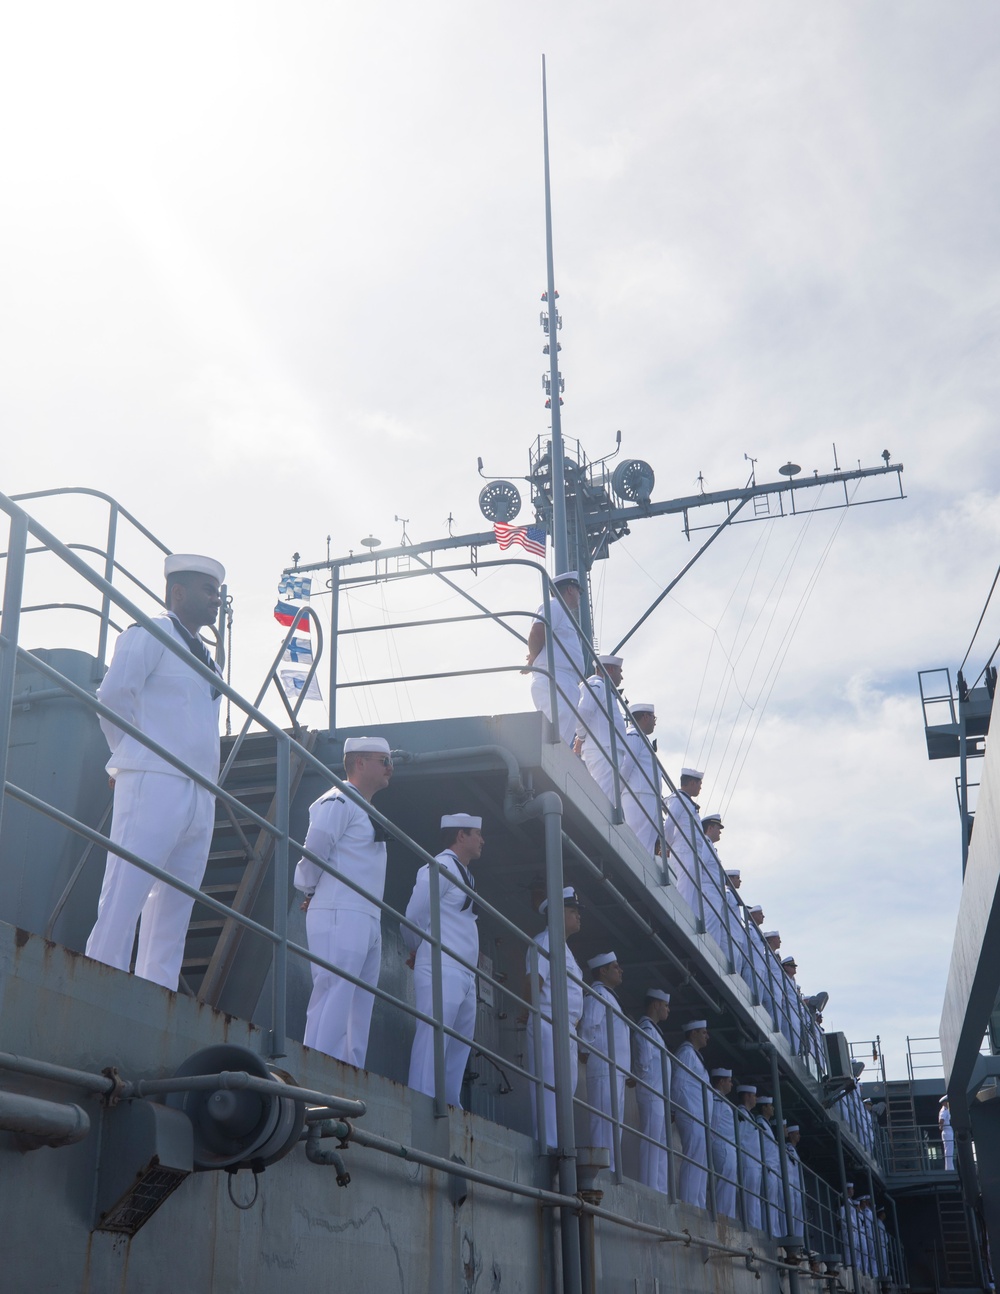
[(788, 564), (979, 625), (797, 620), (718, 709)]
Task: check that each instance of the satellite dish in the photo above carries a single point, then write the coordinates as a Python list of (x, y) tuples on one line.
[(500, 501), (371, 542), (633, 481), (790, 469), (234, 1127)]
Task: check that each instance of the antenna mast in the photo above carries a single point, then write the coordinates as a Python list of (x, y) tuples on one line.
[(560, 541)]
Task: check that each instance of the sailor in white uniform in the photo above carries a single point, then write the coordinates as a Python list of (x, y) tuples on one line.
[(567, 655), (724, 1142), (643, 806), (712, 880), (160, 814), (947, 1134), (463, 839), (602, 1093), (751, 1154), (682, 831), (794, 1007), (689, 1088), (772, 1168), (796, 1181), (574, 994), (652, 1064), (736, 930), (594, 731), (343, 926)]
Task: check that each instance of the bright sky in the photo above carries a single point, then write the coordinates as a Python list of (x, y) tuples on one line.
[(273, 273)]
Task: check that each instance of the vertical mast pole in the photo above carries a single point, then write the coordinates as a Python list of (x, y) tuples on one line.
[(560, 542)]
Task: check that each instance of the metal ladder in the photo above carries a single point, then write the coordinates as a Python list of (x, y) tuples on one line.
[(238, 867), (957, 1259)]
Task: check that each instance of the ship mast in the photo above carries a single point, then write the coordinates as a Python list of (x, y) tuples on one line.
[(560, 539)]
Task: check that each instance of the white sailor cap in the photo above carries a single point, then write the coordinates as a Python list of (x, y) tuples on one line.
[(765, 1100), (943, 1100), (791, 1127), (733, 872), (747, 1087), (712, 817), (177, 563), (694, 1024), (602, 959), (611, 660), (692, 773), (771, 934), (720, 1073), (643, 707), (658, 994), (862, 1198), (789, 960), (567, 577), (366, 745), (465, 820), (849, 1185), (756, 908), (570, 899)]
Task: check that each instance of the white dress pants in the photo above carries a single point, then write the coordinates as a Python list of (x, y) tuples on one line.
[(458, 993), (570, 685), (641, 817), (724, 1164), (339, 1014), (599, 1095), (168, 820), (692, 1184), (548, 1074), (653, 1161)]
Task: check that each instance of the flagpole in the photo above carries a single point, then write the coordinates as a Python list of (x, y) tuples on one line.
[(560, 541)]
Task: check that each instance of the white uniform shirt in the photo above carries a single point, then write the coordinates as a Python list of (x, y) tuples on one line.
[(158, 692), (592, 710), (682, 831), (650, 1050), (594, 1032), (724, 1124), (567, 650), (574, 991), (341, 833), (459, 924), (687, 1091), (641, 765)]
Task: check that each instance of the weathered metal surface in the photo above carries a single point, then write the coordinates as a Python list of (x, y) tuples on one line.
[(396, 1227)]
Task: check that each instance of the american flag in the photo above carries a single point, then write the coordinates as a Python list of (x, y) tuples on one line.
[(531, 538)]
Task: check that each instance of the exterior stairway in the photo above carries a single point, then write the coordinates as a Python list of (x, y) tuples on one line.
[(238, 873), (958, 1266)]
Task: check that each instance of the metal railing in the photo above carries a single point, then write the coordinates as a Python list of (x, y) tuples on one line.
[(724, 1184)]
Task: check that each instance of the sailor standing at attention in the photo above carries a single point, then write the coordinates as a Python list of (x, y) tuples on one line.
[(463, 845), (160, 814), (602, 1093), (947, 1134), (567, 656), (574, 996), (751, 1154), (713, 882), (644, 806), (682, 832), (724, 1142), (652, 1070), (594, 733), (688, 1086), (772, 1168), (343, 926)]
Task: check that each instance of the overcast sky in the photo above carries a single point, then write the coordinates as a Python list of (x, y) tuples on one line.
[(272, 273)]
